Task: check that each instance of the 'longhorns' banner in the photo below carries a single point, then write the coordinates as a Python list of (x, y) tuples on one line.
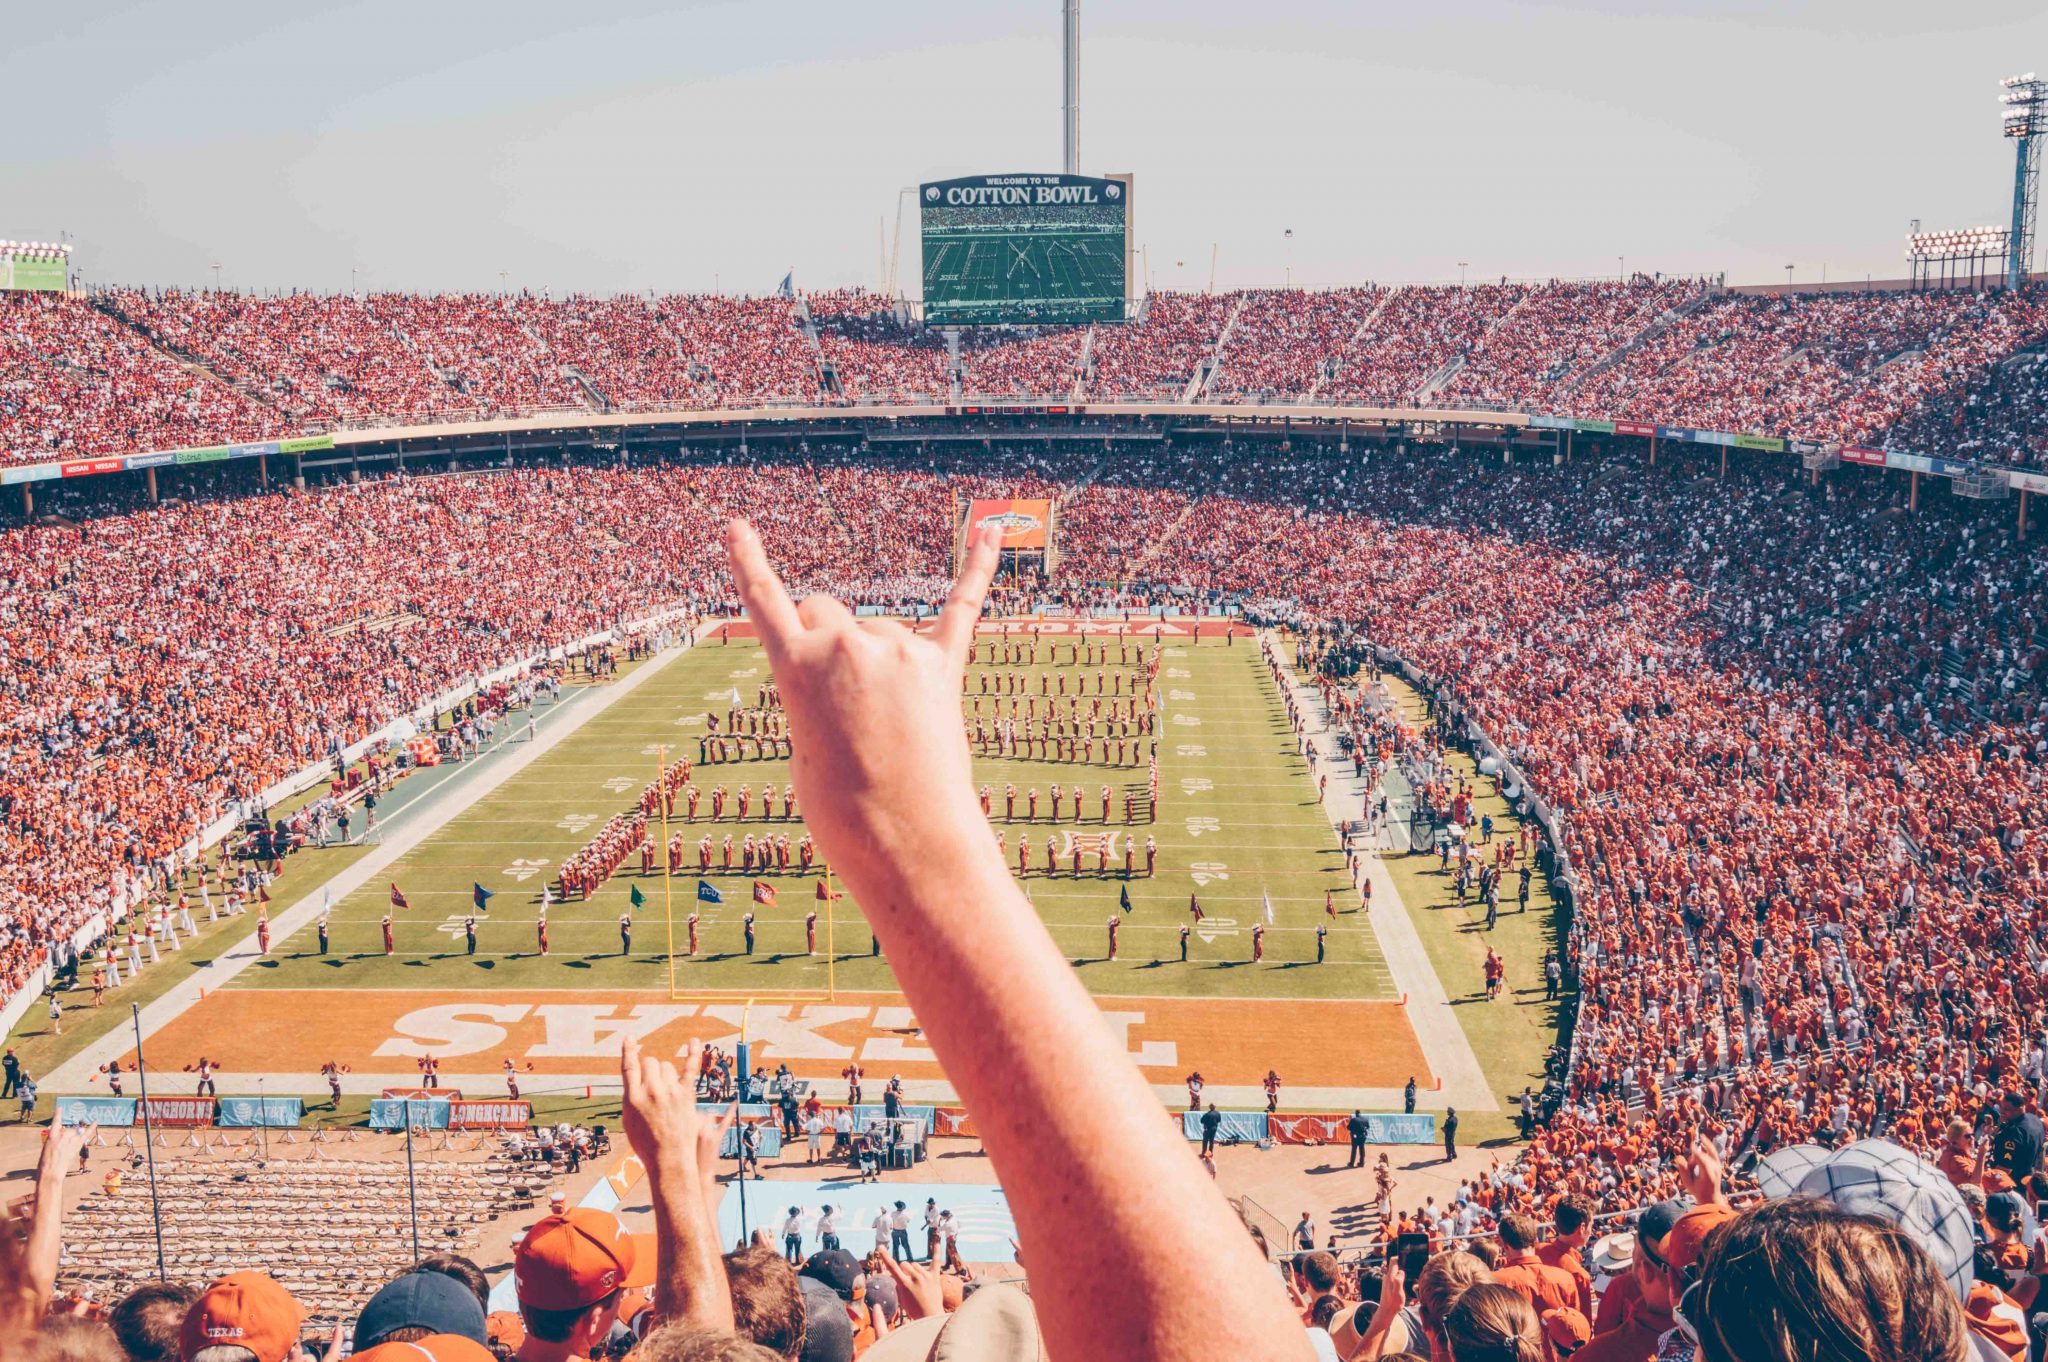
[(489, 1115), (1024, 522)]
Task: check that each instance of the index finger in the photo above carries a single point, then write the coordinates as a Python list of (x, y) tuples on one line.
[(629, 1070), (761, 590), (957, 618)]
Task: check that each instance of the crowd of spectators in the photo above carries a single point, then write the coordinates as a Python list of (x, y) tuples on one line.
[(128, 370), (2001, 417)]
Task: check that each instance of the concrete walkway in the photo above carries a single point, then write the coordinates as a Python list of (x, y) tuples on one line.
[(1443, 1040)]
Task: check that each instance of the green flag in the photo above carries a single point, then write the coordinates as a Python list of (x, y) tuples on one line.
[(639, 899)]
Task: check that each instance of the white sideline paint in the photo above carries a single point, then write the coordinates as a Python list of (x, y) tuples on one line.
[(74, 1075), (1443, 1040)]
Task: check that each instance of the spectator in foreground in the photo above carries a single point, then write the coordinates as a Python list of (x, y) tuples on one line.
[(889, 795), (147, 1320)]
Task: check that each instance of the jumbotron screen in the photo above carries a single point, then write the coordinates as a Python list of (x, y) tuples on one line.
[(1024, 249)]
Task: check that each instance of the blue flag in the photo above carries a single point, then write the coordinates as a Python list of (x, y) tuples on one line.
[(787, 288), (707, 894), (481, 896)]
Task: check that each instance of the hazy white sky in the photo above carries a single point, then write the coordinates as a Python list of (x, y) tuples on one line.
[(621, 145)]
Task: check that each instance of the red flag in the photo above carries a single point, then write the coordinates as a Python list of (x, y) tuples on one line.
[(764, 893), (1194, 907), (398, 899), (1329, 904), (825, 895)]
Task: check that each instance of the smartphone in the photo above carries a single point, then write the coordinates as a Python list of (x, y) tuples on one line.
[(1412, 1251)]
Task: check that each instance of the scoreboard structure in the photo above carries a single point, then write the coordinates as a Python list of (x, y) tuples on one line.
[(1025, 250)]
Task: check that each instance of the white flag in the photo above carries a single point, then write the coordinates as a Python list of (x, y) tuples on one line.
[(546, 897), (1267, 900), (736, 697)]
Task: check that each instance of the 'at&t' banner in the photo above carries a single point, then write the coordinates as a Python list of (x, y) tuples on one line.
[(1024, 523), (276, 1112), (1249, 1127)]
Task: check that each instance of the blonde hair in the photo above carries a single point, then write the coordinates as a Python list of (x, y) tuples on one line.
[(1442, 1280), (1493, 1323), (1801, 1280)]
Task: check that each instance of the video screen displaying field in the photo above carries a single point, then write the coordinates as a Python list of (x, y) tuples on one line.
[(1024, 250)]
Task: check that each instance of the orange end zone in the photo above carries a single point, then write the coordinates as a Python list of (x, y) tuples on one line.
[(1232, 1041)]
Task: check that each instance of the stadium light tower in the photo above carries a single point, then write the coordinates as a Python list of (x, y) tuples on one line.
[(2025, 119), (1071, 70)]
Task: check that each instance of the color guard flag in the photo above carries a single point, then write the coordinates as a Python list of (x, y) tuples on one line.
[(764, 894), (1266, 900), (639, 899), (481, 897), (1123, 899), (825, 895), (1195, 907), (1329, 904), (398, 899), (708, 893), (547, 896)]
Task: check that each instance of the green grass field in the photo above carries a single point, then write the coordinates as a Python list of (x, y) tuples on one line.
[(1238, 819)]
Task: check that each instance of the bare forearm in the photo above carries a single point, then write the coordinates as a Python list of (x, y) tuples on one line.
[(692, 1284), (1151, 1266)]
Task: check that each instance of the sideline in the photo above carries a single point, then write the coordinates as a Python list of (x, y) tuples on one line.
[(434, 811), (1444, 1042)]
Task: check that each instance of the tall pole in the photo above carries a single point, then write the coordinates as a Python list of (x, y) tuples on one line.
[(156, 1210), (2026, 106), (1071, 67), (412, 1187)]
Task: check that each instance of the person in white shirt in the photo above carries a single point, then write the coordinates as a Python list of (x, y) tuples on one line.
[(899, 1235), (793, 1236), (828, 1229), (949, 1229), (881, 1229), (814, 1136), (842, 1131)]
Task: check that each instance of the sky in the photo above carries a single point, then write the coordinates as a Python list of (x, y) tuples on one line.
[(621, 146)]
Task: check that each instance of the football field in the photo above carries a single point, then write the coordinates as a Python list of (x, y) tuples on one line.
[(1238, 825)]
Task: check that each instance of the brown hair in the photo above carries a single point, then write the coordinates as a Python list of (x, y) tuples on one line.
[(767, 1303), (146, 1321), (684, 1341), (1319, 1270), (1493, 1323), (1573, 1212), (462, 1270), (1443, 1279), (1520, 1232), (1802, 1278)]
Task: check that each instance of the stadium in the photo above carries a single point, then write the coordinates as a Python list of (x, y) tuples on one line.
[(538, 823)]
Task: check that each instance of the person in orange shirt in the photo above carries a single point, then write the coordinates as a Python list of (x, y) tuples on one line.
[(1566, 1249), (1520, 1269)]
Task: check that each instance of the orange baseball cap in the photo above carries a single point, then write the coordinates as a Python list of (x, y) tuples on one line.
[(573, 1261), (244, 1310), (1682, 1246), (432, 1348), (1566, 1328)]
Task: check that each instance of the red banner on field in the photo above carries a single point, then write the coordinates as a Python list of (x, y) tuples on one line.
[(952, 1121), (502, 1115), (1024, 522), (181, 1111)]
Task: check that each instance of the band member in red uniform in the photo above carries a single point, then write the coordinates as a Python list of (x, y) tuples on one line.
[(692, 795), (389, 948), (1077, 858), (1105, 803), (693, 933), (1151, 854), (1114, 923), (985, 800), (1009, 803), (647, 856), (704, 854), (263, 933), (804, 851), (1031, 798), (1258, 942), (1023, 857), (746, 796), (540, 929), (717, 802), (726, 850), (1055, 792), (811, 932), (1130, 857)]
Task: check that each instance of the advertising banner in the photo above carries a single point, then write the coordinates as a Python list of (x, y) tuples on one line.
[(389, 1113), (1858, 454), (276, 1112), (1633, 428), (79, 468), (207, 454), (1238, 1127), (98, 1111), (305, 444), (1770, 444), (181, 1111), (504, 1115), (35, 472), (1676, 433), (1594, 427), (1024, 522), (1380, 1128), (134, 461)]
